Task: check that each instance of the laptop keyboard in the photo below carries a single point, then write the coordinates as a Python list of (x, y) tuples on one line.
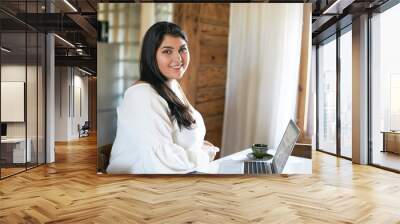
[(257, 167)]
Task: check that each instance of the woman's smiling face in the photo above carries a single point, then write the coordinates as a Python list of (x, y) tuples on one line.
[(173, 57)]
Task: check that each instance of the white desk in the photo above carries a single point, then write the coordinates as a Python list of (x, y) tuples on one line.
[(18, 150), (294, 165)]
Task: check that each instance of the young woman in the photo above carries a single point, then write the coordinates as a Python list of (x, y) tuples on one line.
[(158, 131)]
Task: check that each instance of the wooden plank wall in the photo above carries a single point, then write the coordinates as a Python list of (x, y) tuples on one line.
[(207, 26), (305, 72)]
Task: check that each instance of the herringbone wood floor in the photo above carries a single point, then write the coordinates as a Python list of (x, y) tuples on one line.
[(69, 191)]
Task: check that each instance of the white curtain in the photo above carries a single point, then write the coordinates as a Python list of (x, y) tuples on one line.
[(263, 72)]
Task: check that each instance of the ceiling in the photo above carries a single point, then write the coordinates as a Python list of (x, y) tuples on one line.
[(80, 27), (77, 25), (329, 16)]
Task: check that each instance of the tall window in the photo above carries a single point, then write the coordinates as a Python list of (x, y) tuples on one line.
[(385, 88), (335, 74), (22, 79), (327, 97), (345, 94), (394, 101), (119, 55)]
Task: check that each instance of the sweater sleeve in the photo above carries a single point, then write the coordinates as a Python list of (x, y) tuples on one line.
[(144, 141)]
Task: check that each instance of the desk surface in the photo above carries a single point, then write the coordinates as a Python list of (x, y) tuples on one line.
[(13, 140), (294, 165), (390, 132)]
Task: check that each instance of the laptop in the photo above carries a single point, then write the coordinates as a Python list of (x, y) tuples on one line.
[(279, 160)]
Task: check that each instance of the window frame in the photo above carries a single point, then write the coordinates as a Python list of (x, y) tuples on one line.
[(381, 9), (334, 37)]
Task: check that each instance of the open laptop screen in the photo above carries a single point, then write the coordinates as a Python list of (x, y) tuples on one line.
[(285, 147)]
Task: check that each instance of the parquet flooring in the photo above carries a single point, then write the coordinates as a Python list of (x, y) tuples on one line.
[(387, 159), (70, 191), (9, 171)]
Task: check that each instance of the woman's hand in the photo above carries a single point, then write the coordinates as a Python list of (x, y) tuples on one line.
[(210, 149), (208, 143)]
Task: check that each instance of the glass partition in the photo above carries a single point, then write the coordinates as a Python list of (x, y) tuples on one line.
[(22, 89), (13, 94), (346, 94), (31, 100), (327, 97), (41, 91), (385, 89)]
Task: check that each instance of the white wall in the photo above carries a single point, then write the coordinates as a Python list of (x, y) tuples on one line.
[(35, 123), (12, 73), (79, 117), (70, 83)]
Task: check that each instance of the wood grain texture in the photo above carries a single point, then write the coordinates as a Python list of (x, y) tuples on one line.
[(392, 142), (207, 26), (186, 16), (215, 14), (304, 90), (7, 171), (211, 108), (213, 41), (209, 94), (213, 122), (214, 136), (211, 76), (69, 191), (214, 30), (212, 55)]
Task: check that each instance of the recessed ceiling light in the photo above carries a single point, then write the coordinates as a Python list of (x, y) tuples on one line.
[(70, 5), (5, 50), (337, 7), (84, 71), (64, 40)]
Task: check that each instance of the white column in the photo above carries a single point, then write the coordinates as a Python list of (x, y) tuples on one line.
[(50, 94), (360, 90)]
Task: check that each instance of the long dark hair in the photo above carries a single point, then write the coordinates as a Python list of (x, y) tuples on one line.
[(149, 71)]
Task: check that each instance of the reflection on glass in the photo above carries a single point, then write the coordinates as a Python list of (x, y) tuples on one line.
[(22, 90), (124, 36), (13, 85), (386, 89), (31, 100), (327, 97), (394, 102), (41, 99), (345, 94)]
